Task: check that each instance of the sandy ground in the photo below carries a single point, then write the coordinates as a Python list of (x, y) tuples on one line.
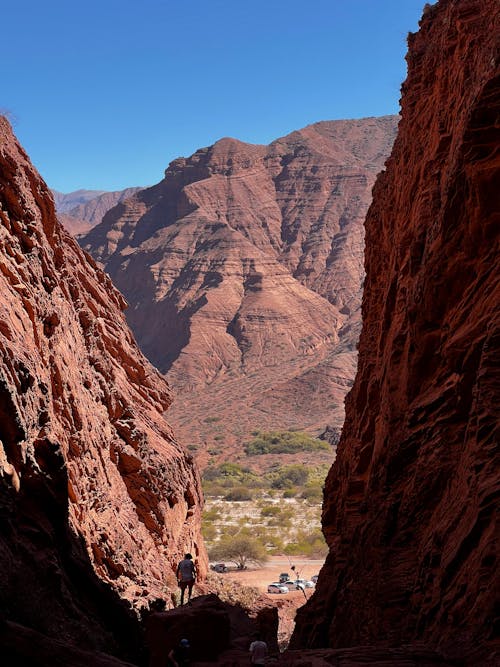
[(260, 577), (287, 603)]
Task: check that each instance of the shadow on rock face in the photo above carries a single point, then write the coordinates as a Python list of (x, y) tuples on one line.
[(212, 628), (23, 646)]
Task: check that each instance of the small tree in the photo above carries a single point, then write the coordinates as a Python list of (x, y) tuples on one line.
[(239, 549)]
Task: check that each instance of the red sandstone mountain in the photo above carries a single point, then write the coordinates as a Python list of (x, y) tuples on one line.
[(97, 499), (411, 503), (243, 271), (66, 201), (82, 210)]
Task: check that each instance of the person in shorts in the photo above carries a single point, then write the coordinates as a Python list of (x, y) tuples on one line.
[(186, 576)]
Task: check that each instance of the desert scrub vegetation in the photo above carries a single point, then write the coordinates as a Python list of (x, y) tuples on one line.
[(251, 540), (293, 480), (280, 508), (238, 493), (283, 442), (232, 592), (241, 549), (307, 543)]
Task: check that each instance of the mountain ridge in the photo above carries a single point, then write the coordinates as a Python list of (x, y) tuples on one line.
[(246, 260)]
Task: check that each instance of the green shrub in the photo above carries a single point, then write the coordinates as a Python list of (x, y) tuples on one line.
[(289, 476), (295, 549), (213, 490), (312, 492), (283, 442), (270, 510), (308, 543), (238, 494), (232, 474), (209, 531), (211, 515), (274, 543)]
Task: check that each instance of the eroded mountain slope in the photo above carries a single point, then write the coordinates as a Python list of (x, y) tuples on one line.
[(82, 210), (243, 271)]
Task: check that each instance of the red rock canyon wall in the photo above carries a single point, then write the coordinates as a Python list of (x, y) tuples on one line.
[(411, 503), (92, 481)]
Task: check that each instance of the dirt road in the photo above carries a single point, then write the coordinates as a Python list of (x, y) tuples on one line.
[(260, 577)]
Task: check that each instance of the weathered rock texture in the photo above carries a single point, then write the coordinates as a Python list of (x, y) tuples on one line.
[(218, 632), (243, 270), (82, 210), (411, 502), (91, 480)]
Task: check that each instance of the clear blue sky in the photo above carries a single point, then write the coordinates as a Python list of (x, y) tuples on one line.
[(105, 93)]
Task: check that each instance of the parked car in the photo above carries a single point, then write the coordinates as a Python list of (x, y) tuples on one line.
[(219, 567), (299, 584), (284, 576), (314, 578), (276, 587)]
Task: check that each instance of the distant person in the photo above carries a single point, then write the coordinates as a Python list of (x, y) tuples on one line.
[(180, 656), (258, 652), (186, 576)]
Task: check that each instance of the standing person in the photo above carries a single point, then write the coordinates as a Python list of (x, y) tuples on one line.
[(258, 652), (186, 576)]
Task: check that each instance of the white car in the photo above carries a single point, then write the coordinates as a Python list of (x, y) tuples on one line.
[(276, 587), (299, 584)]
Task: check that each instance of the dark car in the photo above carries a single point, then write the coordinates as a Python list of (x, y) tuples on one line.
[(284, 576), (219, 567)]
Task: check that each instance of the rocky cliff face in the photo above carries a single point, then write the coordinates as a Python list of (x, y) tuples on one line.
[(82, 210), (411, 502), (243, 270), (94, 489)]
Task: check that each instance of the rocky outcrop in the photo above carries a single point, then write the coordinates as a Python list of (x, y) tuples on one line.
[(243, 271), (218, 632), (411, 502), (82, 210), (97, 498)]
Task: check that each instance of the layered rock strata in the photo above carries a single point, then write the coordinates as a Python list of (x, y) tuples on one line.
[(411, 503), (243, 270), (82, 210), (96, 497)]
